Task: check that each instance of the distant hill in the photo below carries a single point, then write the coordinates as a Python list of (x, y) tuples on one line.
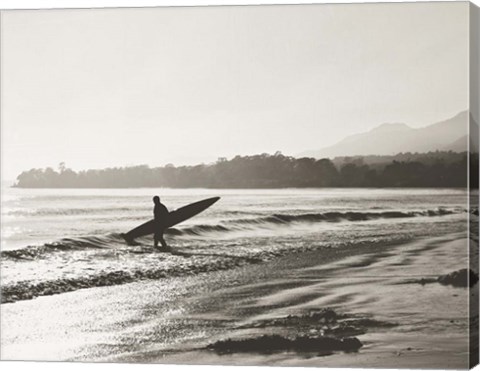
[(393, 138), (458, 145)]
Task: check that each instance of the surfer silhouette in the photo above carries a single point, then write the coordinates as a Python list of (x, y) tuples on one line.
[(160, 214), (164, 219)]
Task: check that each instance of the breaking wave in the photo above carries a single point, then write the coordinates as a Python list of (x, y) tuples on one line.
[(115, 239), (28, 290), (332, 217), (345, 216), (65, 244)]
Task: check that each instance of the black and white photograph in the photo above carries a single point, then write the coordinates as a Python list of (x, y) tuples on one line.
[(255, 185)]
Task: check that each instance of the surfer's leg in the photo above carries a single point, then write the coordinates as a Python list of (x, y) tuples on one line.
[(162, 241), (155, 240), (158, 237)]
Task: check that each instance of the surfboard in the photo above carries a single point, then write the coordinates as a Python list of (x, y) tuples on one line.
[(174, 217)]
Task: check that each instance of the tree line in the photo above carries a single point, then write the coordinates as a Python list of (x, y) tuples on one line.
[(435, 169)]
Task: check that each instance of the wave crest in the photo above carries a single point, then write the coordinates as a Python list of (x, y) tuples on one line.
[(332, 217), (65, 244)]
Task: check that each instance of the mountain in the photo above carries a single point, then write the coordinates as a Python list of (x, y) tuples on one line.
[(392, 138), (458, 145)]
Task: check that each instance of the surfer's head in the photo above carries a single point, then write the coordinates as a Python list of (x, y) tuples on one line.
[(156, 200)]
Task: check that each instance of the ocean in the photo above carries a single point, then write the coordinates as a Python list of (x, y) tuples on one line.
[(62, 240)]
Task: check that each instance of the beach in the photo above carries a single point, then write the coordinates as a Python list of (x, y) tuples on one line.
[(174, 320), (354, 293)]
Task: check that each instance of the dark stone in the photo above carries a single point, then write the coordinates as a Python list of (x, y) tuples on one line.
[(277, 343), (461, 278)]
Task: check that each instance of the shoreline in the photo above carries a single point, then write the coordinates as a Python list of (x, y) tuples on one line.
[(173, 320), (399, 335), (131, 296)]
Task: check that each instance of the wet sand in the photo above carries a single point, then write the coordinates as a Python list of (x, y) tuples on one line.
[(373, 292)]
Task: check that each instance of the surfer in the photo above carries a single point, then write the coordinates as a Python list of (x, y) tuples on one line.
[(164, 219), (160, 214)]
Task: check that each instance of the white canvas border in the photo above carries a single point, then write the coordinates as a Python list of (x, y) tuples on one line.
[(46, 4)]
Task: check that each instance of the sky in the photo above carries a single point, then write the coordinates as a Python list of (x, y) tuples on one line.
[(98, 88)]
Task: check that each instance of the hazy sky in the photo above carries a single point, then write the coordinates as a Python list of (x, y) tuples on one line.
[(113, 87)]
